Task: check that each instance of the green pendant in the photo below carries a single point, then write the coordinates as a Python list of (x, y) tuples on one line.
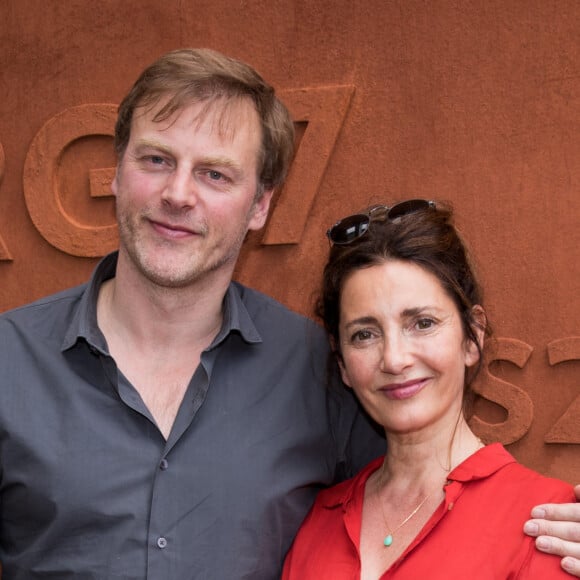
[(388, 540)]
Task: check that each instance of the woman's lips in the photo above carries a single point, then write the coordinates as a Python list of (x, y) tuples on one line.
[(398, 391)]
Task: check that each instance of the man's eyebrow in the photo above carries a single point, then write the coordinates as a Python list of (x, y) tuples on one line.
[(211, 161), (221, 161), (151, 144)]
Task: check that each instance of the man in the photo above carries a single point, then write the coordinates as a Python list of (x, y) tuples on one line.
[(163, 422)]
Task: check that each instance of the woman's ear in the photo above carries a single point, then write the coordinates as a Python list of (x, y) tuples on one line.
[(339, 360), (343, 373), (478, 324)]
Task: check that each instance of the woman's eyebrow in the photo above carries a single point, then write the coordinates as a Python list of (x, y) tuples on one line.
[(361, 321)]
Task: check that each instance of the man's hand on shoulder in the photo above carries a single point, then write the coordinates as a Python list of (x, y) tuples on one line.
[(556, 528)]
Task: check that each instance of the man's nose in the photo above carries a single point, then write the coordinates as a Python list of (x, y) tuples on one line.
[(180, 190)]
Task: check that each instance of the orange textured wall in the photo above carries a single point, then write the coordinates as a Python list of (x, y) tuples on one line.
[(473, 102)]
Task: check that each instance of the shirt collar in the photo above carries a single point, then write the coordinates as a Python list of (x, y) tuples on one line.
[(84, 322), (343, 493), (483, 463), (236, 318)]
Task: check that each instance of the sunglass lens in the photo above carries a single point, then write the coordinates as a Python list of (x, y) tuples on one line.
[(349, 229), (407, 207)]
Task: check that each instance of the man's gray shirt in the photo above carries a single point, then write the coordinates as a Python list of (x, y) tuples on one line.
[(89, 487)]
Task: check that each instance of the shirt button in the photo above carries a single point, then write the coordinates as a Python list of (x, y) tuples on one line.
[(164, 464), (161, 543)]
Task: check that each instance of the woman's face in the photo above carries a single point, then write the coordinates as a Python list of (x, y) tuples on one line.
[(403, 347)]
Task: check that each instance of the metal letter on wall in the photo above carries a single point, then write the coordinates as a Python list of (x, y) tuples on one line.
[(567, 428), (513, 399), (41, 185), (324, 109)]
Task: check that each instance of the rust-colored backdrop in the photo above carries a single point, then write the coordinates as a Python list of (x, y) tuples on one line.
[(473, 102)]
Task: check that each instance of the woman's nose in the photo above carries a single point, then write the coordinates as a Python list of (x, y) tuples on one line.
[(396, 354)]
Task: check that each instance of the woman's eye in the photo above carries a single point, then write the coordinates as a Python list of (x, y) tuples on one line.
[(425, 323), (361, 336)]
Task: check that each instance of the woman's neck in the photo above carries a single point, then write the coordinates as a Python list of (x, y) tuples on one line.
[(422, 461)]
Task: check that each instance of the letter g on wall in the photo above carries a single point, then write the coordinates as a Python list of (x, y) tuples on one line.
[(4, 253), (41, 183)]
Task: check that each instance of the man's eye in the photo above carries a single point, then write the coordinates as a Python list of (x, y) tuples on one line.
[(155, 159), (215, 175)]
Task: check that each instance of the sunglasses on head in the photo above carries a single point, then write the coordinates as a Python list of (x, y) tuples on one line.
[(353, 227)]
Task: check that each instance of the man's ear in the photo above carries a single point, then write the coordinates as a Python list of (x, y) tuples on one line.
[(115, 182), (479, 324), (260, 210)]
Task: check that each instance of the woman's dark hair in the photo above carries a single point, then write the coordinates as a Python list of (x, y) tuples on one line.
[(426, 237)]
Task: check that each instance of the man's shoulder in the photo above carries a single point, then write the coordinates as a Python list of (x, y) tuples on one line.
[(258, 304), (53, 305), (282, 330)]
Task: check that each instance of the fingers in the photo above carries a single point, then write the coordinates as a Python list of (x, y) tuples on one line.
[(558, 547), (572, 566), (567, 532), (563, 512), (557, 531)]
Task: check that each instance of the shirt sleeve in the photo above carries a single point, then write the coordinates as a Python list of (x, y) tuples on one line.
[(540, 565)]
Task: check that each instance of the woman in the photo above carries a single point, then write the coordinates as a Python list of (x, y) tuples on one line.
[(405, 318)]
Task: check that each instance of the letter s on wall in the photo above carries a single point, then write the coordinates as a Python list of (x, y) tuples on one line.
[(512, 398)]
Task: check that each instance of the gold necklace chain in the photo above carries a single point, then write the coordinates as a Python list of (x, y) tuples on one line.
[(388, 539)]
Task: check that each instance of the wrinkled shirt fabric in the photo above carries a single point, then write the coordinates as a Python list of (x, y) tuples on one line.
[(475, 533)]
